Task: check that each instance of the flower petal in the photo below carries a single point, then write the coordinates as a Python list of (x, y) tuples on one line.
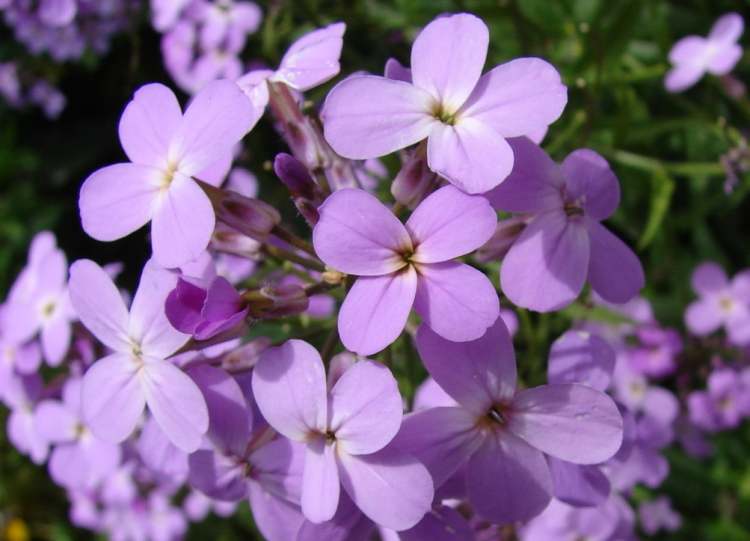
[(727, 29), (683, 77), (277, 519), (313, 59), (470, 154), (517, 98), (580, 486), (546, 267), (581, 357), (320, 481), (568, 421), (703, 317), (375, 310), (112, 398), (615, 272), (457, 301), (148, 125), (392, 489), (183, 223), (357, 234), (448, 56), (708, 277), (535, 183), (55, 422), (99, 305), (365, 408), (148, 322), (218, 117), (687, 49), (367, 116), (723, 63), (289, 385), (588, 176), (508, 480), (176, 403), (476, 374), (449, 224), (117, 200)]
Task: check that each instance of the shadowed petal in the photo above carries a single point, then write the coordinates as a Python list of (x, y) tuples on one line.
[(580, 486), (581, 357), (615, 272), (589, 177), (277, 519)]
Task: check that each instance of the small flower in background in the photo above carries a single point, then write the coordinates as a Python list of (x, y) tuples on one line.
[(694, 56), (657, 514)]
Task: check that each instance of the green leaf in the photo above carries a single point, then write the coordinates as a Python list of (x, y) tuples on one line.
[(662, 188)]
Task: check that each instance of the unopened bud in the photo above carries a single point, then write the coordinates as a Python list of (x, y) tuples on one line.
[(250, 216), (333, 277), (275, 301), (229, 240), (413, 180), (295, 176)]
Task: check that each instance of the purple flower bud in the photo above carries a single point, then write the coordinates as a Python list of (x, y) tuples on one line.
[(252, 217), (275, 301), (295, 176), (413, 181)]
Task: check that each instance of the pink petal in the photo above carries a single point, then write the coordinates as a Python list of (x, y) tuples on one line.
[(183, 223), (366, 116), (391, 488), (723, 62), (112, 398), (118, 199), (457, 301), (148, 321), (449, 224), (568, 421), (535, 183), (365, 408), (683, 77), (708, 277), (441, 438), (615, 272), (448, 56), (289, 385), (313, 59), (517, 98), (702, 317), (589, 177), (320, 481), (507, 480), (148, 125), (470, 154), (99, 304), (176, 403), (727, 29), (375, 310), (476, 374), (217, 118), (687, 50), (55, 422), (547, 265), (357, 234)]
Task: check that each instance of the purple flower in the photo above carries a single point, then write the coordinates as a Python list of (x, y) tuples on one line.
[(346, 432), (158, 183), (117, 388), (721, 302), (581, 357), (656, 354), (227, 21), (22, 394), (465, 117), (694, 56), (723, 405), (500, 433), (79, 459), (401, 266), (658, 514), (564, 243)]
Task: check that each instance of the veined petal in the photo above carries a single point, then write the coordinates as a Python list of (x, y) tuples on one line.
[(568, 421), (589, 177), (476, 374), (357, 234), (365, 408), (547, 265), (289, 385), (118, 199), (577, 485), (517, 98), (457, 301), (448, 56), (183, 223), (615, 272), (376, 309), (312, 59), (99, 304), (320, 481), (367, 116), (581, 357), (449, 224), (148, 125)]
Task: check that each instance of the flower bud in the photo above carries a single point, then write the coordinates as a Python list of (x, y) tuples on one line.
[(413, 180), (252, 217), (295, 176), (275, 301)]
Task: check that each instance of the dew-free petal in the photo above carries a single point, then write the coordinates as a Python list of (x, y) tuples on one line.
[(581, 357), (682, 77), (357, 234), (313, 59), (448, 56), (118, 199), (568, 421), (55, 421), (375, 310), (476, 374), (289, 385), (320, 481), (457, 301), (703, 317), (365, 408), (277, 519), (449, 224), (722, 63), (589, 177), (727, 29), (366, 116), (547, 265), (615, 272), (577, 485)]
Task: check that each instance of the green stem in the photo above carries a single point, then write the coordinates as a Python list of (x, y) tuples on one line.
[(287, 255)]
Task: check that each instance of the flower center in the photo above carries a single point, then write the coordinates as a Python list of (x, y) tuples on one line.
[(444, 115), (573, 209), (726, 304), (168, 176), (47, 309)]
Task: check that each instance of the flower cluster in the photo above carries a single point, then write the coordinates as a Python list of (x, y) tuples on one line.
[(153, 408)]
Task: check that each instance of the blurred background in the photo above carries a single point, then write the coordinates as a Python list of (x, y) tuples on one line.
[(682, 161)]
